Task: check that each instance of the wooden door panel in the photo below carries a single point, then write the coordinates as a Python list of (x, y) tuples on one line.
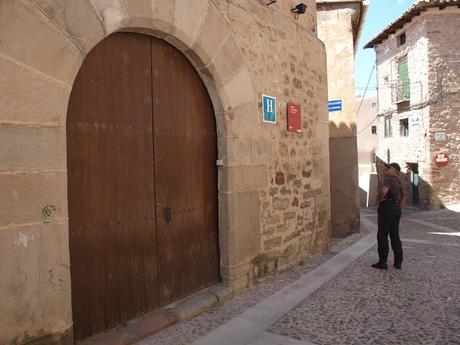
[(185, 175), (140, 132), (111, 186)]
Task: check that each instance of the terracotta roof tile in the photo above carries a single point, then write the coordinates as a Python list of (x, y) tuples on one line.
[(407, 16)]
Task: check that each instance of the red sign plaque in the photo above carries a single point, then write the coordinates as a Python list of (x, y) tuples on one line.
[(294, 118), (441, 159)]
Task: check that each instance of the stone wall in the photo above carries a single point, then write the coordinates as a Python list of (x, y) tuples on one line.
[(444, 76), (430, 43), (274, 207), (335, 28), (286, 60), (399, 148)]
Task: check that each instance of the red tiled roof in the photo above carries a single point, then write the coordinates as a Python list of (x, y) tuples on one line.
[(407, 16)]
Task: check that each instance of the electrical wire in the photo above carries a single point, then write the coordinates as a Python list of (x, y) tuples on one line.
[(362, 99)]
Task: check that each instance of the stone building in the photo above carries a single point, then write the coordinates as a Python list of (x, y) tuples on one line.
[(113, 117), (339, 26), (368, 142), (418, 78)]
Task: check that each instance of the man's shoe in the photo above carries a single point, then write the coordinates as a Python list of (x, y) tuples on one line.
[(380, 265), (397, 266)]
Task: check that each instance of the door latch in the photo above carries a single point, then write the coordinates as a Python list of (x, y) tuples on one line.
[(167, 214)]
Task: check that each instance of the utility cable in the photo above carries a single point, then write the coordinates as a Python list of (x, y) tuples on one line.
[(362, 99)]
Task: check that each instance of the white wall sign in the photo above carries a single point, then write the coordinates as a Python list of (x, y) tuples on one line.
[(415, 120), (440, 136)]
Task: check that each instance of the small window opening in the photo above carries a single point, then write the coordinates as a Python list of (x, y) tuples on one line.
[(404, 126), (402, 39), (374, 129), (388, 130)]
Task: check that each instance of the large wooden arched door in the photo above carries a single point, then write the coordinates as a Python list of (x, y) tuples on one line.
[(142, 182)]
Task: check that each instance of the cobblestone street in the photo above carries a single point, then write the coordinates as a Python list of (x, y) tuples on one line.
[(339, 299)]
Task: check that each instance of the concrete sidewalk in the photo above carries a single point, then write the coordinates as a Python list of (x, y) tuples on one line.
[(342, 300)]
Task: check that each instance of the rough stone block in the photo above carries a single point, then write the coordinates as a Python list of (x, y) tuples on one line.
[(240, 227), (194, 305), (27, 148), (188, 19), (30, 97), (29, 198), (214, 32), (262, 152), (25, 31), (244, 121), (163, 14), (273, 243), (35, 284), (227, 61), (243, 178), (114, 14), (140, 9), (238, 151), (237, 91), (77, 18)]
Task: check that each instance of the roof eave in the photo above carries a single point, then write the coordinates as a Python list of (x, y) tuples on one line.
[(407, 17)]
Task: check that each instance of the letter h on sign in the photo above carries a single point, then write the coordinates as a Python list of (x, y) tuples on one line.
[(269, 109)]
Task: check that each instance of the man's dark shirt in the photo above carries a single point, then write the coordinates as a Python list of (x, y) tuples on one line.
[(394, 188)]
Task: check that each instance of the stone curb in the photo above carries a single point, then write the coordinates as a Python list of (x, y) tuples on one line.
[(181, 310)]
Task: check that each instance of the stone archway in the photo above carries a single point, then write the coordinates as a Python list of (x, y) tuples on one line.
[(43, 45)]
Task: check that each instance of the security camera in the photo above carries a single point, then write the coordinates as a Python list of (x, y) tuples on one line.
[(299, 9)]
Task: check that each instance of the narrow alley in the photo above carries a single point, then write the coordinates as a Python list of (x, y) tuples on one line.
[(338, 298)]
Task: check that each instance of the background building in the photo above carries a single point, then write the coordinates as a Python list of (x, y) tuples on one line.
[(368, 142), (339, 26), (418, 78), (109, 208)]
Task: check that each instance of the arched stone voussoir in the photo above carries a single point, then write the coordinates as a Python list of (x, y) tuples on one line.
[(189, 17), (153, 17), (238, 90), (30, 38), (113, 14), (77, 18), (215, 31)]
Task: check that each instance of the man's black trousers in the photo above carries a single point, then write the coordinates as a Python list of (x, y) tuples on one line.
[(388, 221)]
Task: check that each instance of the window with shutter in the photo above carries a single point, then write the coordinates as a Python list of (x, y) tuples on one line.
[(403, 86)]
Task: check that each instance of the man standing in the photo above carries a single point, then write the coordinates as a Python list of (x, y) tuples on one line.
[(389, 214)]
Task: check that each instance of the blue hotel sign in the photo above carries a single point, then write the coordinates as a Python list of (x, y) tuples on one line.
[(335, 105), (269, 109)]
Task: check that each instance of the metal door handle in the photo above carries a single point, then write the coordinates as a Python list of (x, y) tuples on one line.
[(167, 214)]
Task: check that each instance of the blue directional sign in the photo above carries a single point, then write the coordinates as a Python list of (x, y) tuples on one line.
[(335, 105), (269, 109)]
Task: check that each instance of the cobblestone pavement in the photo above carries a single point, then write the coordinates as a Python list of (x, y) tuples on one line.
[(419, 304)]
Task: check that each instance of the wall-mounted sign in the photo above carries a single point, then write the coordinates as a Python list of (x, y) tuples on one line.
[(294, 118), (441, 159), (415, 120), (269, 109), (440, 136), (335, 105)]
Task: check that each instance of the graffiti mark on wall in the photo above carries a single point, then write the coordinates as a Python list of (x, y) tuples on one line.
[(23, 240), (48, 210)]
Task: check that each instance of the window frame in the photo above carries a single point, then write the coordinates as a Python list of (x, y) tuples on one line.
[(404, 127), (402, 38), (403, 79)]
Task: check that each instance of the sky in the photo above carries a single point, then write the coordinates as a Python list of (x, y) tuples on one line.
[(380, 14)]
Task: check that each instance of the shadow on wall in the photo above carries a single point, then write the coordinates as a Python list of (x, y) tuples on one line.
[(343, 160), (342, 129), (424, 198)]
